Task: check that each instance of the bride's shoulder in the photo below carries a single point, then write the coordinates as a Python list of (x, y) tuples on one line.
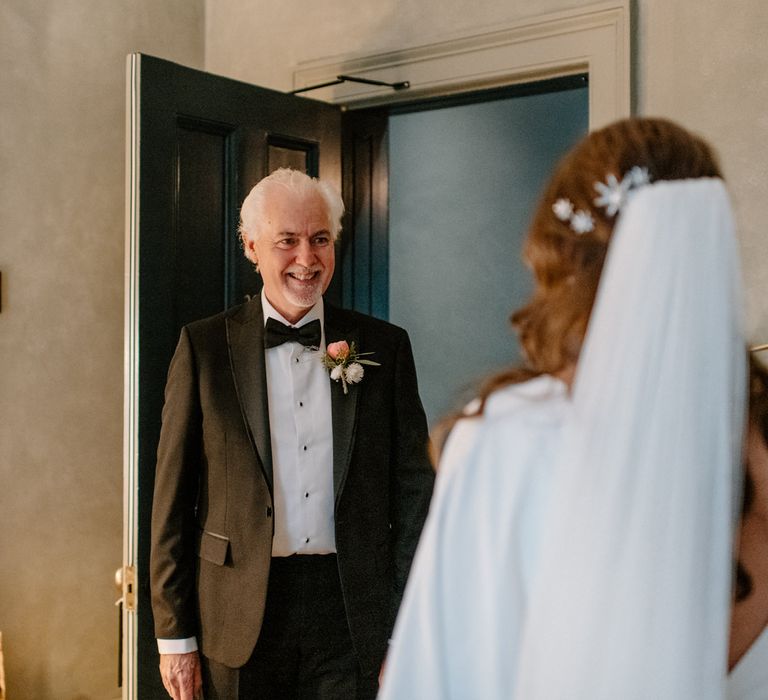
[(535, 398), (519, 413)]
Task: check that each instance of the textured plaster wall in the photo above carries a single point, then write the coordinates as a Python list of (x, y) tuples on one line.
[(701, 63), (62, 78), (262, 42), (61, 247), (706, 65)]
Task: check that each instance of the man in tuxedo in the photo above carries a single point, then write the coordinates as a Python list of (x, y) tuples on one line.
[(288, 503)]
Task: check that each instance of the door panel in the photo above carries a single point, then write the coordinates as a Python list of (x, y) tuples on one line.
[(200, 252), (293, 153), (200, 142)]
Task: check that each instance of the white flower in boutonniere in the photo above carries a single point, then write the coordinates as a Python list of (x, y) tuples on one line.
[(345, 363)]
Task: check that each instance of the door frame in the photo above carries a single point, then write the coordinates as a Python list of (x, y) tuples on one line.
[(364, 250), (594, 39)]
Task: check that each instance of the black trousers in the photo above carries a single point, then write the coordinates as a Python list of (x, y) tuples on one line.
[(304, 651)]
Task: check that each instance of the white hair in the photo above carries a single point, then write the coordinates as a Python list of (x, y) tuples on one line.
[(252, 210)]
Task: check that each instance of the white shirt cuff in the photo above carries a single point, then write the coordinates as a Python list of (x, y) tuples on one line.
[(177, 646)]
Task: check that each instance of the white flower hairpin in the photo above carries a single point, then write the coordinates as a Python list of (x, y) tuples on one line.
[(580, 221), (613, 194), (612, 197)]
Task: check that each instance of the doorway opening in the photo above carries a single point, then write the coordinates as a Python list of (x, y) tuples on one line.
[(198, 142), (463, 174)]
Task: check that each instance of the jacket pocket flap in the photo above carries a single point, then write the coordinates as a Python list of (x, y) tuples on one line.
[(214, 548)]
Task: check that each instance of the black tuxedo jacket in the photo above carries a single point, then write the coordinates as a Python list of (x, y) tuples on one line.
[(212, 516)]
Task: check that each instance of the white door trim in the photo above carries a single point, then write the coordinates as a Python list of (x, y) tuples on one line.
[(593, 39), (131, 381)]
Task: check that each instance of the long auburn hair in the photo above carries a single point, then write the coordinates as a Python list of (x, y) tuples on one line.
[(566, 266)]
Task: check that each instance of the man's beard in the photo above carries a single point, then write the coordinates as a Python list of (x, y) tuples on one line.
[(307, 298)]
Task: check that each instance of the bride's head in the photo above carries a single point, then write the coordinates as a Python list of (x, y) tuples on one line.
[(570, 232)]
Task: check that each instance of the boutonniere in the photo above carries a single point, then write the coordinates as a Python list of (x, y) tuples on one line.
[(345, 364)]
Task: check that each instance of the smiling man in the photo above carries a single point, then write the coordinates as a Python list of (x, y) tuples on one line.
[(288, 501)]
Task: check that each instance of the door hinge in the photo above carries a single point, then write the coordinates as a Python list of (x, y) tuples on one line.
[(125, 579)]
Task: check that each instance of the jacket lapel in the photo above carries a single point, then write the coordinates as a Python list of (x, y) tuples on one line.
[(343, 406), (245, 335)]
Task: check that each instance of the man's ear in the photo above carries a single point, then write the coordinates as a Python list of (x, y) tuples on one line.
[(250, 250)]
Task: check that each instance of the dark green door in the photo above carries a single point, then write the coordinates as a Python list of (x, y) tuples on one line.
[(199, 143)]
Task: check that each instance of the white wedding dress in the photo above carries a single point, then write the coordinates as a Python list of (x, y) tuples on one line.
[(749, 678), (578, 546)]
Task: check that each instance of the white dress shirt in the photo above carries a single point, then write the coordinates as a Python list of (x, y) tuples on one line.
[(299, 394), (299, 398)]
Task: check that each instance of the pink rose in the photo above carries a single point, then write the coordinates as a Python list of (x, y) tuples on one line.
[(339, 350)]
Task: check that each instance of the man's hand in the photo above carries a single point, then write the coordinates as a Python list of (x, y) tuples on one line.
[(181, 676)]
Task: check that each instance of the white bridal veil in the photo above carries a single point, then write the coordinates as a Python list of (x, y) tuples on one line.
[(632, 595), (618, 586)]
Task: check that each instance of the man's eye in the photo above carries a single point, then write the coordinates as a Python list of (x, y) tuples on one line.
[(321, 240), (286, 242)]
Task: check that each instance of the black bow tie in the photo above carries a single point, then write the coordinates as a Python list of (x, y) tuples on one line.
[(276, 333)]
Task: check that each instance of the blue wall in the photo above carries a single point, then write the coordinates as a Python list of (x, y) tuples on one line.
[(463, 183)]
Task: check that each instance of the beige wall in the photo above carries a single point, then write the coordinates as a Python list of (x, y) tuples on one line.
[(702, 63), (263, 43), (62, 68), (61, 247), (705, 64)]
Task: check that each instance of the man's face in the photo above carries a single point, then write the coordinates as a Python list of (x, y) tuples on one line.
[(294, 252)]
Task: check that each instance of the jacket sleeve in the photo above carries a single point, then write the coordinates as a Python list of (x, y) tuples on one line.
[(412, 473), (174, 532)]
